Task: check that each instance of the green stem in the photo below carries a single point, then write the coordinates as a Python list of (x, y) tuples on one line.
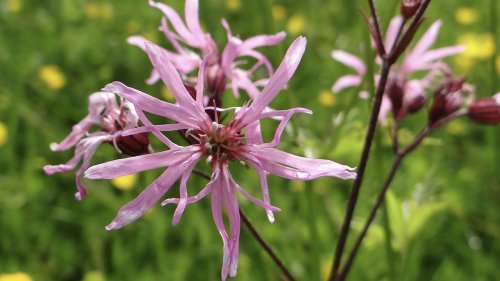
[(315, 260), (388, 243)]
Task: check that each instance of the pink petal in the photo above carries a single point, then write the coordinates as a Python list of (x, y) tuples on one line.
[(147, 102), (276, 82), (392, 32), (132, 165), (295, 167), (146, 199), (183, 194), (350, 60), (346, 81), (385, 107), (427, 40), (177, 23), (164, 128), (288, 114), (174, 82)]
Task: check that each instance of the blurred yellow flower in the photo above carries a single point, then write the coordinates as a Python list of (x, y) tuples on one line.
[(279, 12), (52, 76), (4, 134), (99, 10), (457, 128), (125, 182), (466, 15), (327, 98), (14, 6), (296, 24), (18, 276), (94, 276), (477, 46), (167, 94), (233, 5)]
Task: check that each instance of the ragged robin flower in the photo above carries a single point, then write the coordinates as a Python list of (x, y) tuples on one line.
[(237, 141), (221, 68), (112, 119), (402, 95)]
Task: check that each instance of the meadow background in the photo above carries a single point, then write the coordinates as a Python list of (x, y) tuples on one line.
[(441, 220)]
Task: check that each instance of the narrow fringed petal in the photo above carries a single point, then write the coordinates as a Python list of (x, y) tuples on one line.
[(223, 197), (284, 121), (295, 167), (132, 165), (183, 194), (392, 32), (98, 102), (171, 78), (350, 60), (346, 81), (147, 102), (276, 82), (385, 107), (149, 196), (162, 128), (183, 62), (428, 39)]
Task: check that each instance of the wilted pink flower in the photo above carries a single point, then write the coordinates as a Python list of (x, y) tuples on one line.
[(486, 110), (407, 94), (237, 141), (112, 119), (226, 66)]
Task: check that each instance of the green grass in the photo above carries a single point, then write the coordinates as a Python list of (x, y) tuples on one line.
[(443, 216)]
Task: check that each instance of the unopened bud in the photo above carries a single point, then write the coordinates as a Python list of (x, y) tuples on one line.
[(447, 99), (485, 111), (409, 8), (133, 145), (416, 103)]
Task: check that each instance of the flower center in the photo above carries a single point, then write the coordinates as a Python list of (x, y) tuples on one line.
[(221, 144)]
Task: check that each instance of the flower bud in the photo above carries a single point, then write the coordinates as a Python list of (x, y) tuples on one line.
[(447, 99), (409, 8), (416, 103), (133, 145), (485, 111)]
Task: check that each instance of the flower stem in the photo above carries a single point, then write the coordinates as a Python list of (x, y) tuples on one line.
[(257, 236), (381, 196), (353, 197)]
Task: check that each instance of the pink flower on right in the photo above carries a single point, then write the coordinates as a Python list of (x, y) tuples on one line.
[(402, 94)]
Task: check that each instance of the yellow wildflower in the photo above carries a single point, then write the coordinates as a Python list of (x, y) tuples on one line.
[(477, 46), (296, 24), (233, 5), (327, 98), (165, 92), (14, 6), (18, 276), (279, 12), (94, 276), (125, 182), (466, 15), (52, 76), (4, 134), (98, 10)]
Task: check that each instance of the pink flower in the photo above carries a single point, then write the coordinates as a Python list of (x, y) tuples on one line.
[(226, 66), (237, 141), (112, 120), (408, 93)]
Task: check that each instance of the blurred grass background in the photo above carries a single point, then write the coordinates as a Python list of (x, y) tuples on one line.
[(442, 217)]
